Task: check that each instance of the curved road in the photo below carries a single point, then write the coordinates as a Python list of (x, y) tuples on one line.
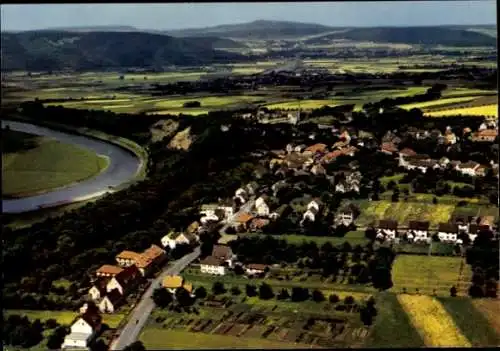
[(123, 166)]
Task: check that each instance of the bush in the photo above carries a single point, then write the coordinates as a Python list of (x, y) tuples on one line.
[(333, 298), (200, 292), (235, 290), (349, 300), (218, 288), (265, 292), (318, 296)]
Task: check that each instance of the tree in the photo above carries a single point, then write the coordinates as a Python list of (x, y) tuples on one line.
[(453, 291), (200, 292), (251, 290), (434, 200), (299, 294), (265, 292), (476, 291), (218, 288), (162, 297), (135, 346), (349, 300), (238, 270), (370, 233), (235, 290), (318, 296), (333, 298), (183, 297), (283, 294)]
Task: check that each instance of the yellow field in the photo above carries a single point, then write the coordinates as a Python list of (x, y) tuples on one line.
[(432, 321), (437, 102), (305, 104), (486, 110)]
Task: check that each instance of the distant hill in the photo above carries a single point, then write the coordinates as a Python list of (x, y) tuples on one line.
[(91, 29), (55, 50), (413, 35), (255, 30)]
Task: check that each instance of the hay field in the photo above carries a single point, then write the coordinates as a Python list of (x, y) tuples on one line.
[(486, 110), (431, 320)]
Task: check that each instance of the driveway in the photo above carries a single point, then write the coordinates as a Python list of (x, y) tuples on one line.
[(143, 309), (123, 166)]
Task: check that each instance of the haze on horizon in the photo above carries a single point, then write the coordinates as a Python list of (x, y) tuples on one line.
[(195, 15)]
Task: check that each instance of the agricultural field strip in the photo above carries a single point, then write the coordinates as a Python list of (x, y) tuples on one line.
[(432, 321), (486, 110), (436, 103), (63, 317)]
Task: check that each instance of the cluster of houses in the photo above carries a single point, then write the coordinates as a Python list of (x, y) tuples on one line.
[(410, 160), (189, 237), (113, 283), (223, 259), (450, 232)]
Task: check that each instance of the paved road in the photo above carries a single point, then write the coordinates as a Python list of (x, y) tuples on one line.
[(141, 313), (246, 207), (123, 166)]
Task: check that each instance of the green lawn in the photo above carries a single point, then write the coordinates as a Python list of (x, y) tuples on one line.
[(472, 323), (392, 327), (64, 317), (49, 164), (353, 238), (430, 272), (157, 338)]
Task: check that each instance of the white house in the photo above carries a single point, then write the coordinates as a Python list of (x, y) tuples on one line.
[(240, 192), (212, 265), (172, 239), (110, 302), (98, 290), (289, 148), (388, 229), (83, 330), (418, 231), (468, 168), (261, 206), (255, 268), (448, 232), (316, 204), (309, 215)]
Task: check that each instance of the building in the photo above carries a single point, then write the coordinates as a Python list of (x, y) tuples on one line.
[(257, 224), (224, 253), (83, 330), (98, 289), (346, 215), (242, 221), (124, 281), (468, 168), (262, 206), (108, 270), (212, 265), (387, 229), (486, 135), (173, 239), (388, 148), (255, 268), (111, 301), (146, 261), (418, 231), (174, 282), (447, 232), (316, 148)]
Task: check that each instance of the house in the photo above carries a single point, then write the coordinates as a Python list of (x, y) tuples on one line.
[(255, 268), (443, 162), (315, 203), (257, 224), (212, 265), (387, 229), (111, 301), (128, 258), (281, 211), (346, 215), (224, 253), (156, 254), (418, 231), (98, 290), (174, 282), (300, 148), (108, 270), (280, 184), (228, 207), (406, 152), (487, 135), (481, 171), (173, 239), (449, 137), (318, 170), (145, 261), (289, 148), (242, 221), (193, 227), (252, 188), (329, 157), (388, 148), (240, 192), (262, 206), (83, 330), (124, 281), (310, 215), (410, 161), (487, 222), (316, 148), (468, 168), (447, 232), (341, 186)]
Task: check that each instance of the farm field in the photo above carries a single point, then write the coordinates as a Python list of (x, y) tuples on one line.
[(452, 92), (156, 338), (472, 321), (486, 110), (434, 324), (430, 274), (64, 317), (403, 212), (45, 164), (490, 308), (438, 103), (392, 327), (353, 238)]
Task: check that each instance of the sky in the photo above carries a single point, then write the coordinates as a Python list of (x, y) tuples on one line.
[(195, 15)]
